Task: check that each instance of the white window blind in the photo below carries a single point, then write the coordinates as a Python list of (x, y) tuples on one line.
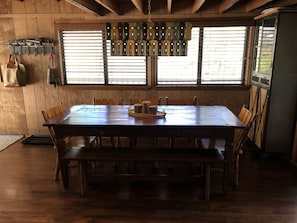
[(83, 57), (223, 55), (125, 70), (180, 69), (265, 49)]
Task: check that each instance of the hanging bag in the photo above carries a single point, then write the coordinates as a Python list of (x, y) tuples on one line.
[(13, 73), (52, 72)]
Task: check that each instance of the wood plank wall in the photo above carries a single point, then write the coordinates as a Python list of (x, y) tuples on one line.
[(20, 108)]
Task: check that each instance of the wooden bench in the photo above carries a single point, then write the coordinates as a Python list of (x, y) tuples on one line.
[(183, 155)]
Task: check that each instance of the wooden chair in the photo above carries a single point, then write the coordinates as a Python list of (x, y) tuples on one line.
[(105, 101), (154, 101), (181, 101), (168, 101), (115, 141), (240, 139), (73, 141)]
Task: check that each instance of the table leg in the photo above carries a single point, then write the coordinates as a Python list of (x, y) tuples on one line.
[(61, 148), (228, 166)]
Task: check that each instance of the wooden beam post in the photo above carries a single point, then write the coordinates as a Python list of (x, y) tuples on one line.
[(197, 5), (108, 4), (227, 4), (89, 6), (138, 5), (169, 6)]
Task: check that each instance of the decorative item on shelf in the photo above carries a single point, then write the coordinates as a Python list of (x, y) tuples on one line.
[(31, 46), (148, 38)]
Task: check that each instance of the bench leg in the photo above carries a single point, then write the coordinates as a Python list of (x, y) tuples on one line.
[(82, 178), (207, 180), (57, 169)]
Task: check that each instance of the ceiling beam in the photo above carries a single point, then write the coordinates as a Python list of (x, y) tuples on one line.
[(109, 5), (138, 5), (169, 6), (88, 6), (286, 3), (254, 4), (197, 5), (227, 4)]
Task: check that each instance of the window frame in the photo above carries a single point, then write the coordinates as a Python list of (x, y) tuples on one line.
[(151, 62), (199, 83), (60, 27)]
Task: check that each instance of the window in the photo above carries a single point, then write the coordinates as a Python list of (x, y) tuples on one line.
[(265, 46), (216, 55), (83, 57), (180, 69), (125, 70), (87, 60)]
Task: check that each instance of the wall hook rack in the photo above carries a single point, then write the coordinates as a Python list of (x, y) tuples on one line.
[(31, 46)]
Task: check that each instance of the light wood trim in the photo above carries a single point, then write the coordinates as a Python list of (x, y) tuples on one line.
[(224, 19), (78, 24), (138, 4), (272, 11), (287, 3), (169, 6), (197, 5), (227, 4), (254, 4), (109, 5), (89, 6)]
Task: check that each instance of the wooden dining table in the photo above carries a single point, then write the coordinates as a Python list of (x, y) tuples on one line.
[(180, 121)]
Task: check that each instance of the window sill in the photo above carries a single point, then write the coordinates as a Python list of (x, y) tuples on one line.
[(158, 87), (202, 87), (104, 87)]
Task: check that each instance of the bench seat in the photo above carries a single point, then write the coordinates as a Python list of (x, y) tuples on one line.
[(182, 155)]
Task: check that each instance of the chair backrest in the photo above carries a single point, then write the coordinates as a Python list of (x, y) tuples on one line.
[(181, 101), (241, 135), (154, 101), (105, 101), (50, 113), (245, 115), (56, 110)]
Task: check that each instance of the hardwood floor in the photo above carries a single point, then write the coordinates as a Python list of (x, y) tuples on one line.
[(267, 193)]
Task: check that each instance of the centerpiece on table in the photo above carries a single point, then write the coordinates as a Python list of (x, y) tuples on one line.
[(146, 110)]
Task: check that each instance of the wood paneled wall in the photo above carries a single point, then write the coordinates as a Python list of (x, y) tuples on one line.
[(20, 108)]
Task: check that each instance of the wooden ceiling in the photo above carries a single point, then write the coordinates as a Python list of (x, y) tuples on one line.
[(175, 9)]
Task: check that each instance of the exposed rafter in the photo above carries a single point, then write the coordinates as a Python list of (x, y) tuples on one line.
[(286, 3), (227, 4), (138, 4), (197, 5), (137, 9), (89, 6), (169, 6), (254, 4), (109, 5)]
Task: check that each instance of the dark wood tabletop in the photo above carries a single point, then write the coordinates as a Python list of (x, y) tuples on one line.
[(182, 121), (105, 117)]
